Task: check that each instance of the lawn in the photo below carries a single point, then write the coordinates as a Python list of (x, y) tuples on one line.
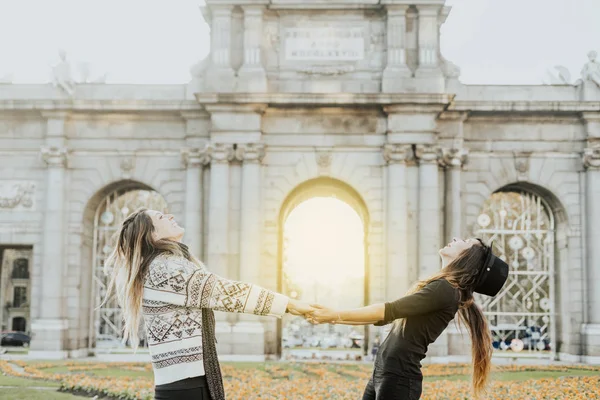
[(310, 381)]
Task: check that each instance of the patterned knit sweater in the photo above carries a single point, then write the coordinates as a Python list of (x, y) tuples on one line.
[(175, 292)]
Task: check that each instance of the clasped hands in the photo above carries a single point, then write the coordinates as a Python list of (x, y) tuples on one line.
[(314, 313)]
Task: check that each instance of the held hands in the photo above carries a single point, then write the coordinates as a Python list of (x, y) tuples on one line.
[(313, 313), (323, 315)]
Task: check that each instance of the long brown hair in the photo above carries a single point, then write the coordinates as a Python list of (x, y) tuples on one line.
[(128, 264), (462, 273)]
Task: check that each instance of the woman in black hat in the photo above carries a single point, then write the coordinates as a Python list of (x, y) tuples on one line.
[(468, 266)]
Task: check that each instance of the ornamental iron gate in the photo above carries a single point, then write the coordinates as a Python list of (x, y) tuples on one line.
[(106, 323), (521, 316)]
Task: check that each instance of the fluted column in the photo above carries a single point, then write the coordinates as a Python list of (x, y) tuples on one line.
[(50, 327), (591, 161), (453, 160), (218, 217), (194, 160), (252, 76), (396, 67), (250, 245), (429, 210), (398, 277)]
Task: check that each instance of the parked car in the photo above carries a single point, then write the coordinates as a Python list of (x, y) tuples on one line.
[(15, 339)]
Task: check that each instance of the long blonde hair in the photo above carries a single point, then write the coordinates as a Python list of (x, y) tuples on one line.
[(128, 264), (462, 273)]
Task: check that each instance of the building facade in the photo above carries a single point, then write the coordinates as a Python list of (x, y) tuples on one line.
[(297, 99)]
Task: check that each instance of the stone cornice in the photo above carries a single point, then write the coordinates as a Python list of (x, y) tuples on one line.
[(45, 106), (524, 106), (324, 99)]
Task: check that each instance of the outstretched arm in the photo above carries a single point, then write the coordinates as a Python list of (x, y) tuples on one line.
[(357, 316)]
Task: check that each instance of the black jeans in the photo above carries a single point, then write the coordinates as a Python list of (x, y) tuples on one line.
[(385, 386), (200, 393)]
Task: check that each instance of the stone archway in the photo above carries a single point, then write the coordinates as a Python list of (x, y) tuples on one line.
[(103, 215), (323, 188), (527, 224)]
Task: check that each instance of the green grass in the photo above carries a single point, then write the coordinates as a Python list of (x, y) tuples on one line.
[(23, 382), (32, 394)]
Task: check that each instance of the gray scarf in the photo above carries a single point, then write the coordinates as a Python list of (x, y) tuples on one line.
[(211, 361)]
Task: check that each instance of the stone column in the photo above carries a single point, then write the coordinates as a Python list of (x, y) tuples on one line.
[(220, 76), (453, 160), (398, 277), (429, 210), (591, 161), (252, 76), (50, 330), (396, 68), (218, 217), (194, 161), (249, 331)]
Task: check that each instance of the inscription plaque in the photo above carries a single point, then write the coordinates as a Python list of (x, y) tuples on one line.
[(324, 44)]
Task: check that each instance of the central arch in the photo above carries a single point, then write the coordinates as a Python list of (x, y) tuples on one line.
[(323, 187)]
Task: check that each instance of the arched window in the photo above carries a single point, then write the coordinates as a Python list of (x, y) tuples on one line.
[(521, 316)]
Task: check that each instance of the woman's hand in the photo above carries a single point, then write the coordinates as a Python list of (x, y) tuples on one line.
[(296, 307), (323, 315)]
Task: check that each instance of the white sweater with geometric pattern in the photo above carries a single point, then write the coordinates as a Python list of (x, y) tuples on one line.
[(175, 291)]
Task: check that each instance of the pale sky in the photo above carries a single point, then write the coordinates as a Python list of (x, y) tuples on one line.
[(156, 41)]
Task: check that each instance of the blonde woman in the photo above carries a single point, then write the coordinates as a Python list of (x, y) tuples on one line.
[(154, 276)]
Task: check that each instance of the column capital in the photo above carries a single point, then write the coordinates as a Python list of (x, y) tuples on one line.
[(396, 10), (427, 154), (250, 152), (429, 10), (55, 156), (397, 153), (195, 157), (221, 153), (453, 157), (591, 158)]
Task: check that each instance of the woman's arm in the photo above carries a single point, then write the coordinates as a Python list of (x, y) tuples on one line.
[(177, 281), (358, 316)]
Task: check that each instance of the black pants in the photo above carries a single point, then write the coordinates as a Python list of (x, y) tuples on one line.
[(392, 387), (200, 393)]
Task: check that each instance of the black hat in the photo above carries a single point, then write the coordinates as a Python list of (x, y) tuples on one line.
[(492, 276)]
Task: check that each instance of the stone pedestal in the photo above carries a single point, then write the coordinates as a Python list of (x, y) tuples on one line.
[(252, 76), (396, 70)]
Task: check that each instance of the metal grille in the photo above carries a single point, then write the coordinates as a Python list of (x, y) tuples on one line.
[(106, 324), (521, 316)]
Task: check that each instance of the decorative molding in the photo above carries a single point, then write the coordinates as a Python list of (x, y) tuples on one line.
[(17, 195), (454, 157), (427, 154), (127, 165), (323, 158), (54, 156), (398, 153), (250, 153), (522, 164), (591, 158)]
